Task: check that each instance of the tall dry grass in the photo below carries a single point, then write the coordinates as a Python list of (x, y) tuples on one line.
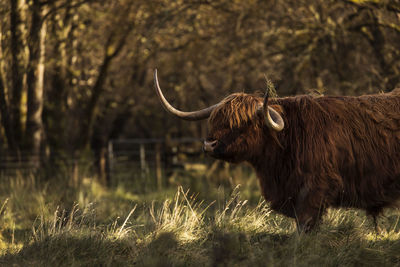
[(51, 224)]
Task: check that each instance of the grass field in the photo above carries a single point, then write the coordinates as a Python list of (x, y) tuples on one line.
[(53, 224)]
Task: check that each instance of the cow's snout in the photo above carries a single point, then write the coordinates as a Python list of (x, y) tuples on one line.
[(209, 146)]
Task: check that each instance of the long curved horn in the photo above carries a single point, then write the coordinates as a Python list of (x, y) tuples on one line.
[(190, 116), (272, 118)]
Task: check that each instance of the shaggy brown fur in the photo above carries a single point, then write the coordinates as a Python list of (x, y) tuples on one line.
[(235, 110), (333, 151)]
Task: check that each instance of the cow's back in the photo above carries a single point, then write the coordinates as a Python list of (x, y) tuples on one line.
[(349, 145)]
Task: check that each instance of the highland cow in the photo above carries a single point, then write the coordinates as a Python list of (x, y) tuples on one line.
[(310, 152)]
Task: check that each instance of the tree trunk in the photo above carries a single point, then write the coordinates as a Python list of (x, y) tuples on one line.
[(4, 108), (36, 44), (86, 127), (55, 114), (17, 70)]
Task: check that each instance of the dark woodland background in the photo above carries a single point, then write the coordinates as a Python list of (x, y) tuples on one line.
[(75, 74), (94, 172)]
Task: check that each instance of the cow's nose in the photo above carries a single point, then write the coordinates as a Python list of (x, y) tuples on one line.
[(209, 145)]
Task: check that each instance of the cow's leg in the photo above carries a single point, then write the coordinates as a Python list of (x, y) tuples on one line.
[(309, 209), (374, 212), (307, 220), (376, 225)]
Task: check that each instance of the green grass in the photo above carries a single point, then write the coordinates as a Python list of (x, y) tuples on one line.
[(53, 224)]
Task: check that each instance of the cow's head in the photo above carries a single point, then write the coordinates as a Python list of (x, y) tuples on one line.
[(236, 124)]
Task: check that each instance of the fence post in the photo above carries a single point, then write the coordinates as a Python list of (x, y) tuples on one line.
[(174, 155), (110, 161), (75, 172), (158, 166), (143, 164)]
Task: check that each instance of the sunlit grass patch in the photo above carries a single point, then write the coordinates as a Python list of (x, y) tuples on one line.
[(183, 216), (50, 224)]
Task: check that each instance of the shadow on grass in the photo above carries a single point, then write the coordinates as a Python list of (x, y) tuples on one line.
[(15, 235), (221, 247), (67, 250)]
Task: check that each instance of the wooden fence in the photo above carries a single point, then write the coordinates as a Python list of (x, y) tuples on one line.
[(147, 160)]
